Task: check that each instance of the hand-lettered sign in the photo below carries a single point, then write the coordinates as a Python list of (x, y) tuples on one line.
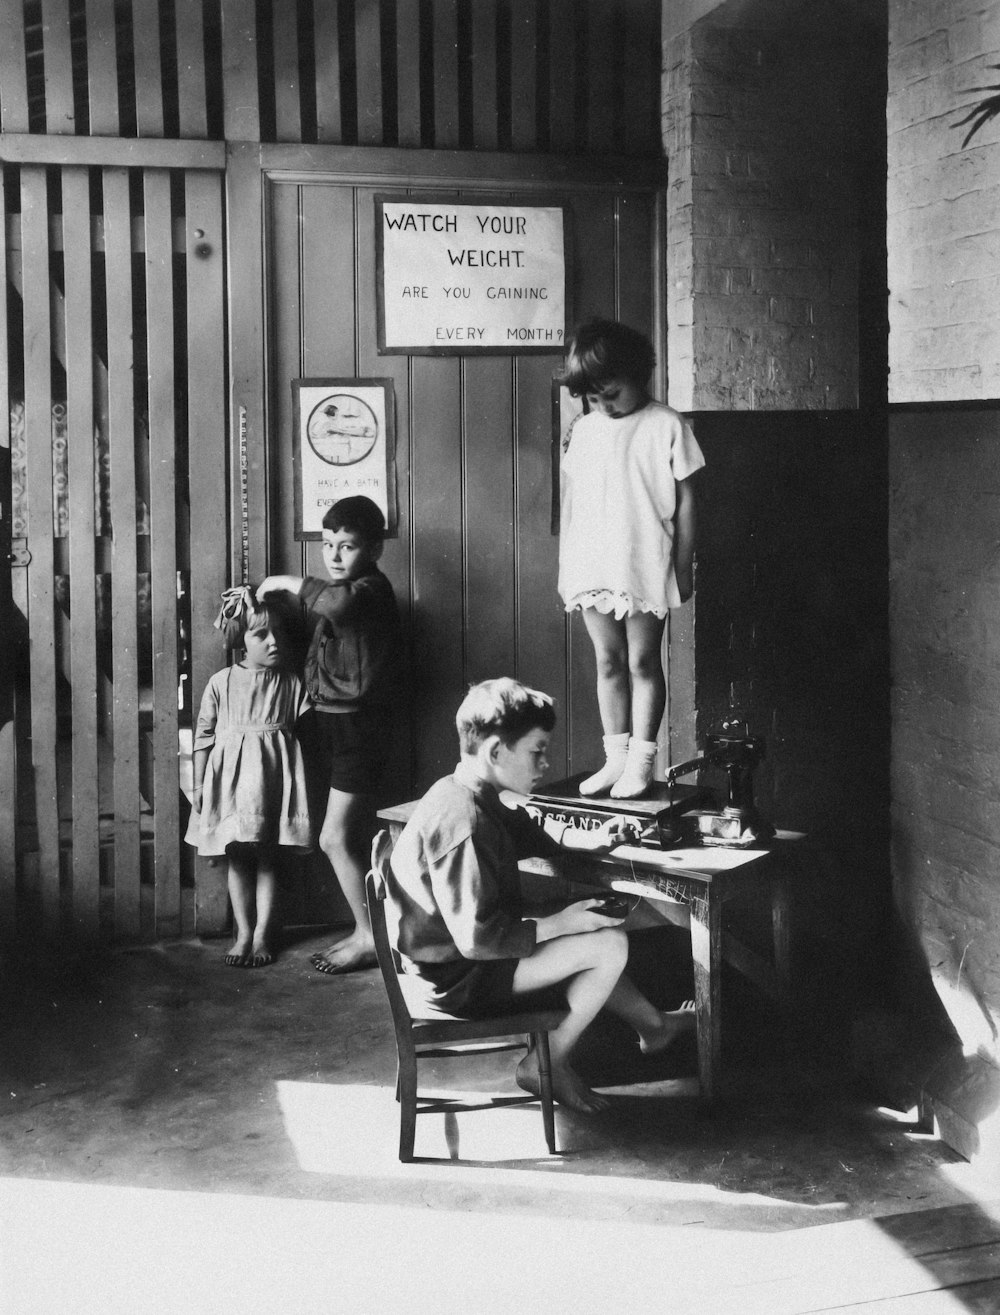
[(457, 276)]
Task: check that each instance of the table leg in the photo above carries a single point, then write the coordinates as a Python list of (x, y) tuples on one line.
[(781, 938), (706, 952)]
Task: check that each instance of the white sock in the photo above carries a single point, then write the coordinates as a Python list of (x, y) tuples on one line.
[(634, 780), (615, 753)]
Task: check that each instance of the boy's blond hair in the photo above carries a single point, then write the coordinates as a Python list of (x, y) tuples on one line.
[(502, 707)]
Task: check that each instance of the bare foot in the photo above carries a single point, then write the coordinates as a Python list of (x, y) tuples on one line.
[(567, 1088), (357, 951), (260, 956), (239, 953), (673, 1022)]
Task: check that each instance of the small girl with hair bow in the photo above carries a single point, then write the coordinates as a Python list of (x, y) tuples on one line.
[(250, 799)]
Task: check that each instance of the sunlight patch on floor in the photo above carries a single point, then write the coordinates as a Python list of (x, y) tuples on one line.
[(353, 1131), (97, 1250)]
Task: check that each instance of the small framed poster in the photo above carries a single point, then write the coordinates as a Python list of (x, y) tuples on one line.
[(466, 277), (343, 445)]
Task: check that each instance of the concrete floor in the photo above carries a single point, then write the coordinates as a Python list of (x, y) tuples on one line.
[(207, 1087)]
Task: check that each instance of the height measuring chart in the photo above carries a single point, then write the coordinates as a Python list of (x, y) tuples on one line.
[(461, 277)]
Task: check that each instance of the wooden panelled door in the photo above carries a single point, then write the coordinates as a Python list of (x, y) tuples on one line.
[(113, 338), (474, 561)]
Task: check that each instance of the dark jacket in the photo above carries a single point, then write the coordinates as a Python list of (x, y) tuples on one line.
[(354, 655)]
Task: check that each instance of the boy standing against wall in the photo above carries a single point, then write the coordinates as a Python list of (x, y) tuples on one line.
[(352, 670)]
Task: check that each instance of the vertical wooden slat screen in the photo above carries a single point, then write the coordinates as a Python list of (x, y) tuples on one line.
[(14, 82), (326, 43), (85, 866), (446, 124), (523, 98), (408, 125), (564, 74), (148, 67), (241, 95), (102, 67), (601, 34), (206, 444), (36, 282), (483, 20), (368, 59), (285, 47), (124, 575), (191, 86), (163, 544), (59, 113)]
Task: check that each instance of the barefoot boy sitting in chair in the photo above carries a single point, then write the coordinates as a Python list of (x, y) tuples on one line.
[(453, 898)]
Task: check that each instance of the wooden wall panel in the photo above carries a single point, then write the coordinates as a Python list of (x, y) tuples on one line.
[(124, 609), (37, 285), (85, 859), (9, 658), (564, 74), (328, 298), (285, 334), (397, 556), (490, 619), (542, 629)]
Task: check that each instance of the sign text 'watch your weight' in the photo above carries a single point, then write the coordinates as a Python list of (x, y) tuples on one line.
[(464, 277)]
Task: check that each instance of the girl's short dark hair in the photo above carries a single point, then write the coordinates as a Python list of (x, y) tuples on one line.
[(502, 707), (602, 350), (358, 515)]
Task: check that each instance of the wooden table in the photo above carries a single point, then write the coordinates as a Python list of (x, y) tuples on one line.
[(685, 886)]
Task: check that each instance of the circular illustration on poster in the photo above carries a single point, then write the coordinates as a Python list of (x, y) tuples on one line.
[(342, 429)]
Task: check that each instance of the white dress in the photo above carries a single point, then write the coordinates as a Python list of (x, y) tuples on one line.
[(618, 498), (254, 791)]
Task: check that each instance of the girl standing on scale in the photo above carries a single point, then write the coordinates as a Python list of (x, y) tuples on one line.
[(249, 773), (626, 547)]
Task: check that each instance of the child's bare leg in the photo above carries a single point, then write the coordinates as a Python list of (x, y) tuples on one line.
[(645, 666), (656, 1028), (590, 964), (344, 841), (241, 896), (608, 636), (261, 952)]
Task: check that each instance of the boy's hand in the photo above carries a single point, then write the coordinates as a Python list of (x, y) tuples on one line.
[(575, 919), (615, 831), (277, 584)]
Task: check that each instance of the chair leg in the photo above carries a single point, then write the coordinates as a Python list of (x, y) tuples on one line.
[(406, 1094), (540, 1040)]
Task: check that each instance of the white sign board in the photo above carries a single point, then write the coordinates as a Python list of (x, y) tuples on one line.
[(464, 277)]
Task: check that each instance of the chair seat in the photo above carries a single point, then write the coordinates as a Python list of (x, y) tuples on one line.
[(447, 1028)]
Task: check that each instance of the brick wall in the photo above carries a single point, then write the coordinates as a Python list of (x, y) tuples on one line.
[(943, 203), (765, 106)]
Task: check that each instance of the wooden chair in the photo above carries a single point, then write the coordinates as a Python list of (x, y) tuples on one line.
[(446, 1037)]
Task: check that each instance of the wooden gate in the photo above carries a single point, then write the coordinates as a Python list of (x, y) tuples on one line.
[(112, 334)]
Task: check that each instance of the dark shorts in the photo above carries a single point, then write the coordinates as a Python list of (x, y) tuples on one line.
[(480, 988), (354, 748)]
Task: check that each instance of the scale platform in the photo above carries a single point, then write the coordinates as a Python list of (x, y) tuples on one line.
[(564, 797)]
